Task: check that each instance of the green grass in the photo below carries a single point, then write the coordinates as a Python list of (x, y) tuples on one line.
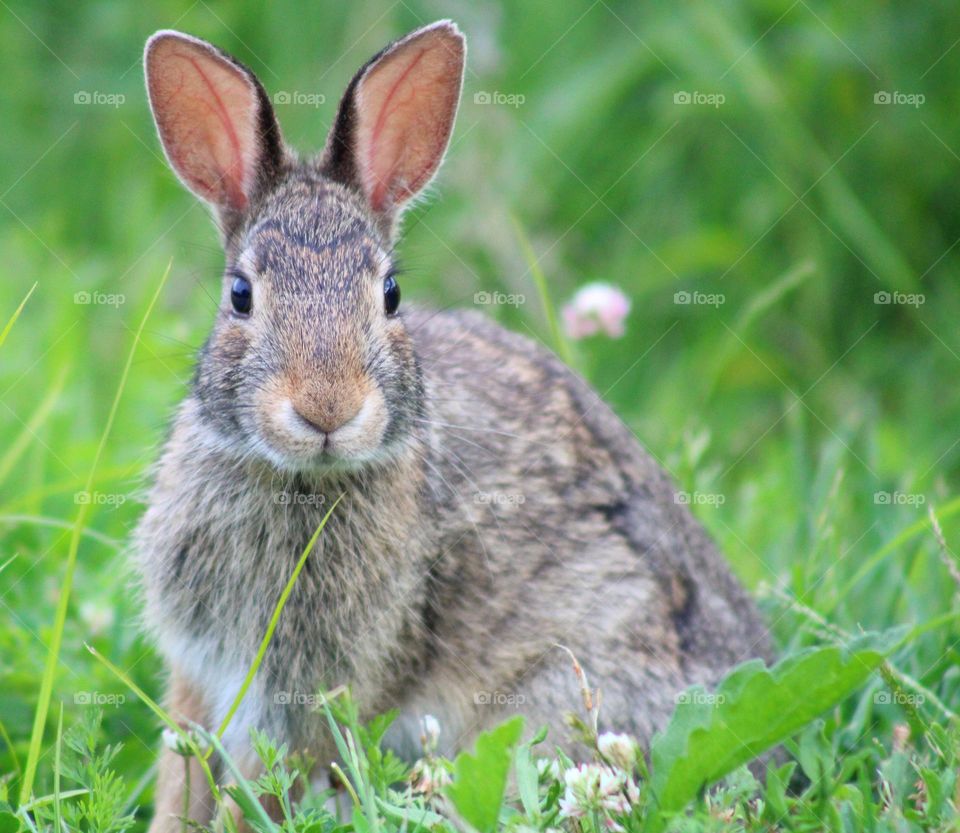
[(796, 404)]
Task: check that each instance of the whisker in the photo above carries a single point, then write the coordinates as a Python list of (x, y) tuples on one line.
[(480, 430)]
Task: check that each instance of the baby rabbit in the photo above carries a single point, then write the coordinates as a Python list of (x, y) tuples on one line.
[(493, 507)]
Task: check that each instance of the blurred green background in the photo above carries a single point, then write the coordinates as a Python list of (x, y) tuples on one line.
[(812, 168)]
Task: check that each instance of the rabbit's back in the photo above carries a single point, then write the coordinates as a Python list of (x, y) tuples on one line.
[(556, 527)]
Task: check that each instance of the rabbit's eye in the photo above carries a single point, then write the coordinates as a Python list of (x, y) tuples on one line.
[(391, 294), (241, 295)]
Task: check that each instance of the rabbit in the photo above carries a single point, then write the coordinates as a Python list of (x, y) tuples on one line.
[(492, 507)]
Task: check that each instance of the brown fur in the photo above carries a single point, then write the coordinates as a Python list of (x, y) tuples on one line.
[(493, 506)]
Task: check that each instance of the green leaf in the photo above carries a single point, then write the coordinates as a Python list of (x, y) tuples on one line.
[(414, 816), (247, 803), (527, 781), (752, 710), (934, 792), (360, 823), (480, 779), (9, 823), (775, 793)]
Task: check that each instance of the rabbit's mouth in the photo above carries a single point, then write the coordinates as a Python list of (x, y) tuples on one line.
[(295, 441)]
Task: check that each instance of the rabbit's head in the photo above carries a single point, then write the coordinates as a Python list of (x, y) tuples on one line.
[(309, 363)]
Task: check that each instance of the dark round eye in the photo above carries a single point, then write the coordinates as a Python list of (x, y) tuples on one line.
[(241, 295), (391, 294)]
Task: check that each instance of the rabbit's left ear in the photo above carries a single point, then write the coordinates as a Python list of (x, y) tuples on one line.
[(214, 119), (396, 117)]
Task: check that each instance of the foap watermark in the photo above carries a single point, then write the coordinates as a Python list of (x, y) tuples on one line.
[(714, 100), (903, 299), (699, 697), (500, 498), (102, 299), (299, 499), (497, 97), (699, 498), (705, 299), (299, 297), (99, 499), (98, 98), (896, 97), (299, 99), (898, 698), (498, 698), (98, 698), (499, 299), (899, 499), (310, 699)]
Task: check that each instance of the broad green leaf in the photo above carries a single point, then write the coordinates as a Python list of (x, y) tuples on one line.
[(9, 823), (480, 779), (752, 710)]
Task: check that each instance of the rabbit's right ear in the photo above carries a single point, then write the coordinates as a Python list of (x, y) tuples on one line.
[(215, 121)]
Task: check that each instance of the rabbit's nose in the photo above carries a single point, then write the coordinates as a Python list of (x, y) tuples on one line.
[(325, 415), (325, 425)]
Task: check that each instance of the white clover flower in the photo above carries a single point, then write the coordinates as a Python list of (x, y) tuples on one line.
[(548, 769), (429, 777), (618, 750), (429, 734), (597, 788), (596, 307), (175, 742)]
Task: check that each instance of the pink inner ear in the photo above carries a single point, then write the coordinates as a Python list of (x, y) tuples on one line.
[(406, 107), (385, 153), (232, 163), (206, 113)]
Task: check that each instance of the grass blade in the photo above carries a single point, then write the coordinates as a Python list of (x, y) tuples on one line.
[(20, 444), (161, 713), (758, 305), (56, 523), (242, 785), (799, 148), (56, 640), (57, 817), (351, 757), (559, 342), (870, 563), (281, 603), (15, 316), (4, 734)]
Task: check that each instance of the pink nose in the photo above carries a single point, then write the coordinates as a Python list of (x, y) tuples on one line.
[(326, 412), (324, 423)]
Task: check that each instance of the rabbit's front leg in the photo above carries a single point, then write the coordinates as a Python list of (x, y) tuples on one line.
[(171, 803)]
